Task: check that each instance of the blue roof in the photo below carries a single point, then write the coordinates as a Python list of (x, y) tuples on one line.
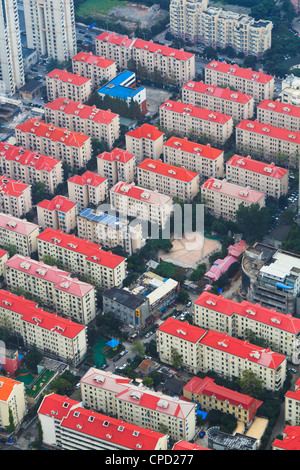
[(105, 219), (113, 343), (116, 89)]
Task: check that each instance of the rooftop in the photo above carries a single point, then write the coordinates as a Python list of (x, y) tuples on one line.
[(58, 203), (68, 77), (278, 107), (248, 164), (10, 187), (141, 194), (88, 178), (118, 155), (270, 131), (13, 224), (146, 131), (76, 108), (125, 297), (233, 190), (205, 151), (27, 157), (90, 58), (248, 73), (218, 92), (182, 330), (195, 111), (164, 169)]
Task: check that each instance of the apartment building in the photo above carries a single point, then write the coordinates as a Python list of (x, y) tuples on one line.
[(71, 86), (12, 400), (56, 288), (15, 197), (197, 22), (97, 69), (89, 120), (145, 141), (291, 405), (58, 213), (76, 428), (55, 336), (211, 396), (18, 232), (265, 177), (280, 330), (290, 438), (110, 231), (222, 199), (88, 260), (173, 64), (50, 28), (279, 115), (257, 84), (12, 75), (168, 179), (192, 120), (234, 103), (273, 143), (4, 255), (87, 189), (71, 147), (134, 201), (103, 390), (203, 159), (290, 90), (117, 165), (30, 167)]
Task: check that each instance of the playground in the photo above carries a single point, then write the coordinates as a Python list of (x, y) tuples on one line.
[(34, 382)]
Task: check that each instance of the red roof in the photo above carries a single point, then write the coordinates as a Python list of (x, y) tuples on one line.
[(248, 74), (2, 252), (185, 445), (90, 58), (233, 190), (9, 187), (99, 116), (146, 131), (218, 92), (68, 77), (141, 194), (195, 111), (115, 39), (93, 252), (164, 169), (53, 133), (278, 107), (118, 155), (182, 330), (205, 151), (88, 178), (296, 394), (270, 131), (248, 164), (27, 157), (165, 50), (6, 387), (58, 406), (58, 203), (13, 224), (291, 441)]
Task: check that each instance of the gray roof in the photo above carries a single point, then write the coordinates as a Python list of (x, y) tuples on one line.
[(124, 297)]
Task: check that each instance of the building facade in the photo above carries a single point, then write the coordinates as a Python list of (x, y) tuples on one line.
[(15, 197), (97, 69), (12, 400), (279, 115), (58, 213), (145, 141), (88, 189), (71, 86), (20, 233), (117, 165)]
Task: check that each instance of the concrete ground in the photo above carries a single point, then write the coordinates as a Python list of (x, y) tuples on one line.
[(155, 97), (136, 14)]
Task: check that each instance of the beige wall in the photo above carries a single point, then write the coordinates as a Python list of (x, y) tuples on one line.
[(57, 88)]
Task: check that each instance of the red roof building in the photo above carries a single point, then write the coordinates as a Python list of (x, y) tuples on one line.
[(117, 165), (58, 213), (88, 188), (279, 114), (145, 141), (290, 441), (61, 83)]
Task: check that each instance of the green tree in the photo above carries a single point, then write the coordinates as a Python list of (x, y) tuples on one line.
[(148, 382), (11, 427), (138, 348), (33, 358), (176, 358), (198, 273), (250, 384), (183, 296), (253, 221)]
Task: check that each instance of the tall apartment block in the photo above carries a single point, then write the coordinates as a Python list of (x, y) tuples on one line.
[(50, 28), (11, 59), (279, 114)]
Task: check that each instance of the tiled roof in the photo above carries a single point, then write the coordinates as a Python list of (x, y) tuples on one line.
[(118, 155), (88, 178), (6, 387), (165, 50), (255, 166), (13, 224), (146, 131), (218, 92), (27, 157), (68, 77), (141, 194), (90, 58), (270, 131), (248, 73), (9, 187), (278, 107), (58, 203), (164, 169), (232, 189), (195, 112), (182, 330), (291, 441), (76, 108), (205, 151)]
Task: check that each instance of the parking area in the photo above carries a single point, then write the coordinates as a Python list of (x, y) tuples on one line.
[(156, 97)]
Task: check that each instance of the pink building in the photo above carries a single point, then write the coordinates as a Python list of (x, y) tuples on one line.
[(220, 266)]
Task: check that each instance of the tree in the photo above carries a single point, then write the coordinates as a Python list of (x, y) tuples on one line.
[(148, 382), (183, 296), (138, 348), (198, 273), (253, 221), (32, 359), (250, 384), (176, 358), (11, 427)]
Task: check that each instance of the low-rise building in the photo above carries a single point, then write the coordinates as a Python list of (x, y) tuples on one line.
[(30, 167), (234, 103), (87, 259), (188, 119), (58, 213), (265, 177), (290, 440), (77, 117), (15, 197), (71, 86), (279, 114), (55, 336), (12, 401), (95, 68), (168, 179), (56, 288), (117, 165), (20, 233), (223, 199), (203, 159), (145, 141), (290, 90), (88, 189)]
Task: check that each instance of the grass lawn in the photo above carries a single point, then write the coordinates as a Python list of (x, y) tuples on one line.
[(97, 7)]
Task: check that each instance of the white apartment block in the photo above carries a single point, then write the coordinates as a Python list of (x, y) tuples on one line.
[(50, 28), (290, 90), (89, 120), (20, 233), (218, 313), (71, 86), (88, 260), (55, 336), (203, 159), (117, 165), (30, 167), (204, 350), (56, 288), (12, 76), (279, 115), (67, 425), (145, 141), (291, 405), (173, 64), (74, 148), (12, 400), (88, 189), (265, 177), (97, 69), (234, 103), (58, 213), (195, 21), (168, 179), (103, 390), (268, 142), (190, 120), (4, 255), (222, 199), (257, 84), (134, 201), (15, 197)]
